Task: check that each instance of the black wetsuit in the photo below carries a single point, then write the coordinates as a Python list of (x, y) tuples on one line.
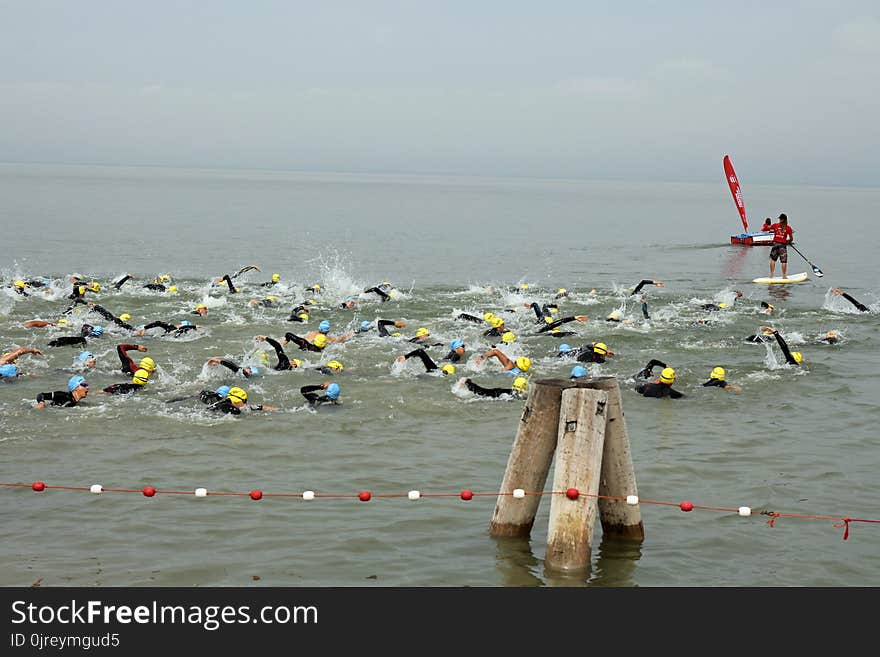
[(717, 383), (122, 388), (57, 398), (235, 367), (657, 389), (558, 322), (67, 341), (21, 292), (170, 328), (225, 406), (378, 290), (383, 330), (283, 360), (210, 396), (648, 371), (118, 284), (493, 332), (429, 364), (540, 313), (302, 343), (158, 287), (758, 339), (641, 284), (470, 318), (452, 356), (309, 392), (858, 304), (294, 314), (489, 392), (106, 314), (587, 355), (785, 350), (228, 280)]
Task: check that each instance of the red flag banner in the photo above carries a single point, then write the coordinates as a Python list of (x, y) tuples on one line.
[(733, 182)]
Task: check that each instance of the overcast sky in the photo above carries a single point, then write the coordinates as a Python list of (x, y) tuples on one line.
[(570, 89)]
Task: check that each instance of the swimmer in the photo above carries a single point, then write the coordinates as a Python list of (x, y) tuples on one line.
[(456, 351), (268, 302), (317, 344), (429, 364), (247, 371), (469, 318), (515, 368), (235, 402), (722, 305), (516, 391), (20, 288), (9, 358), (284, 363), (86, 331), (276, 278), (85, 360), (128, 364), (324, 329), (767, 308), (332, 367), (832, 337), (661, 386), (595, 352), (717, 379), (642, 284), (791, 357), (549, 326), (858, 304), (497, 330), (330, 396), (382, 290), (176, 329), (121, 321), (77, 390), (226, 279), (561, 293), (348, 303), (200, 309), (315, 289), (138, 381), (578, 372), (422, 336), (118, 284), (760, 338), (299, 314)]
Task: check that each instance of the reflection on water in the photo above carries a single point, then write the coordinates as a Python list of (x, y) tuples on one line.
[(779, 292), (516, 562), (735, 258), (616, 562)]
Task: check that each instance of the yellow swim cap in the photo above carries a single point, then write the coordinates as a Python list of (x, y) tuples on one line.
[(276, 278), (722, 305), (523, 363), (487, 317), (147, 363), (264, 357), (272, 299), (562, 290), (600, 348), (422, 332), (519, 384), (548, 320), (396, 334), (310, 302), (524, 286), (19, 284), (82, 289), (140, 377), (667, 375), (798, 356), (164, 278), (200, 306), (335, 365), (508, 337), (555, 329), (614, 315), (94, 286), (448, 369), (496, 322), (320, 341), (553, 311), (61, 322), (296, 362), (304, 316), (237, 395), (717, 373), (124, 317), (172, 289)]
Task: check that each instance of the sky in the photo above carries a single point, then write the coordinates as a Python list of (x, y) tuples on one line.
[(657, 91)]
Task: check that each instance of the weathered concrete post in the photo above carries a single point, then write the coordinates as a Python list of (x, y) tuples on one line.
[(581, 439), (618, 479), (529, 461)]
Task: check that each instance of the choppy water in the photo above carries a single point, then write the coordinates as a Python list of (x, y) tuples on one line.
[(800, 442)]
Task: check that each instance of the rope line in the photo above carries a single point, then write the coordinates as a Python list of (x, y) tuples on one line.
[(840, 522)]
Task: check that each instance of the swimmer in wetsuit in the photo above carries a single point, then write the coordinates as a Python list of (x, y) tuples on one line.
[(718, 379), (858, 304), (722, 305), (316, 345), (77, 389), (456, 351), (175, 329), (86, 331), (284, 362), (661, 386), (138, 381), (595, 352), (515, 368), (642, 284), (549, 326), (128, 364), (120, 321), (429, 364), (382, 290), (247, 371), (276, 278), (791, 357), (234, 403), (516, 391), (330, 396)]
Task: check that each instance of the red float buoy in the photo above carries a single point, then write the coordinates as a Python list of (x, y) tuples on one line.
[(364, 496), (467, 495), (572, 493), (686, 506), (149, 491), (38, 486), (256, 494)]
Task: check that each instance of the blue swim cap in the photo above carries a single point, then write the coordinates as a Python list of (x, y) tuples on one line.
[(74, 382), (254, 370), (365, 325), (222, 391), (324, 326), (564, 348), (333, 391), (84, 356), (9, 370), (578, 371), (455, 344), (97, 330), (186, 323)]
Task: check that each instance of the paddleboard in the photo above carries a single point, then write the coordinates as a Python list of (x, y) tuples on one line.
[(794, 278)]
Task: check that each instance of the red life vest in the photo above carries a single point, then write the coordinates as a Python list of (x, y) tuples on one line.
[(781, 233)]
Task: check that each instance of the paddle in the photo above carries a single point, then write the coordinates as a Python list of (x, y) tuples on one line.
[(816, 270)]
